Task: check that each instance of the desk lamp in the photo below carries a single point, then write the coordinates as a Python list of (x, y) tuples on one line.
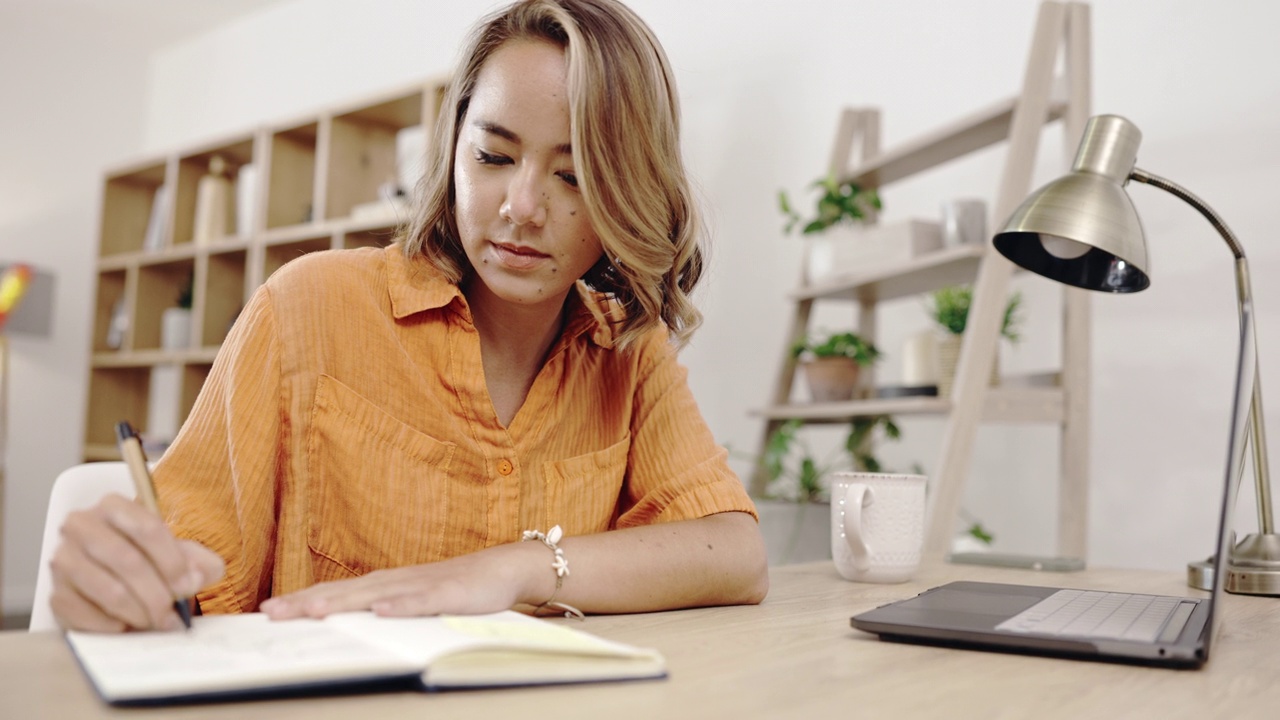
[(1083, 230)]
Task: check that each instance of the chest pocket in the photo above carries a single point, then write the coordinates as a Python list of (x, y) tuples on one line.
[(582, 492), (380, 490)]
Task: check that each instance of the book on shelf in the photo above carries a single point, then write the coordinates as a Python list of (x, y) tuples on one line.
[(153, 240), (250, 655), (246, 196)]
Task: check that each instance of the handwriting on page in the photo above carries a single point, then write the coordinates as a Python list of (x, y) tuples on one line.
[(222, 647), (228, 646)]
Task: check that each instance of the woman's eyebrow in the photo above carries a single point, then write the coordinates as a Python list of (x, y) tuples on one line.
[(505, 133)]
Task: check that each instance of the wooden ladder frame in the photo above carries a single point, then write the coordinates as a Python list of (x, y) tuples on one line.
[(1045, 96)]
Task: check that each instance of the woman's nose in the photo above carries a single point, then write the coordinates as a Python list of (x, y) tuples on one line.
[(526, 199)]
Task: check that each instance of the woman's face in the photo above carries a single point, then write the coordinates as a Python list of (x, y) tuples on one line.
[(520, 214)]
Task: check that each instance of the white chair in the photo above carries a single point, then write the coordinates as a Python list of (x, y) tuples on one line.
[(77, 488)]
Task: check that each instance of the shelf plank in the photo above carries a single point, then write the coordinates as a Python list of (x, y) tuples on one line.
[(151, 358), (1003, 405), (949, 266), (97, 453), (390, 224), (975, 131), (293, 233), (328, 229)]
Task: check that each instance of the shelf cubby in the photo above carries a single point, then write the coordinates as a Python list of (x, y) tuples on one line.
[(127, 203), (116, 394), (159, 286), (192, 168), (224, 294), (111, 296), (193, 377), (291, 185), (362, 152)]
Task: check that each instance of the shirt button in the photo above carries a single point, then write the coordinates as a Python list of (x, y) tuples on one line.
[(505, 467)]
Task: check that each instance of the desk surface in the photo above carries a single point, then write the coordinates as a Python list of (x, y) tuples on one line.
[(793, 656)]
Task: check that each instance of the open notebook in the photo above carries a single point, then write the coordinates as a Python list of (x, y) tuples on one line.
[(1161, 630), (233, 656)]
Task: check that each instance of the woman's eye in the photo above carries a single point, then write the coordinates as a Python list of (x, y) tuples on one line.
[(485, 158), (569, 178)]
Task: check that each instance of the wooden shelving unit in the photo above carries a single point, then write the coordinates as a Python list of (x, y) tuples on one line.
[(312, 172), (1047, 96)]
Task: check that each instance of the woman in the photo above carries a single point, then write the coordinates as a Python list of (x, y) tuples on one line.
[(383, 428)]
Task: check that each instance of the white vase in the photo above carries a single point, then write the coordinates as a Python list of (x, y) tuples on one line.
[(949, 357), (175, 329), (162, 403)]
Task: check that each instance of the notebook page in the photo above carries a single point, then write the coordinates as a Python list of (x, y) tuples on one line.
[(229, 652)]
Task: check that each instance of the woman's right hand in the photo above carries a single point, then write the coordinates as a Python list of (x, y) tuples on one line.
[(119, 568)]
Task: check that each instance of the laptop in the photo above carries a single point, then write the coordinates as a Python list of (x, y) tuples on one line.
[(1159, 630)]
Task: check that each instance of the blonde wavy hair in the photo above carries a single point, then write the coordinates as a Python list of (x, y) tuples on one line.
[(624, 121)]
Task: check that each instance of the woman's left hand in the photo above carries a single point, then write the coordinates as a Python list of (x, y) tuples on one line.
[(483, 582)]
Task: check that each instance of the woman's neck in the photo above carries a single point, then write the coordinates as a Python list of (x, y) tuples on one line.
[(514, 342), (512, 329)]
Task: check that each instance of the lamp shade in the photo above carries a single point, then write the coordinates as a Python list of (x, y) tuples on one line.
[(1082, 228)]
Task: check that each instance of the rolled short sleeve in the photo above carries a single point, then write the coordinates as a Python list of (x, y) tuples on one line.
[(677, 470)]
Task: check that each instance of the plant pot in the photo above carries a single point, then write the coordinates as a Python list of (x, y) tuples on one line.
[(831, 379), (175, 328), (949, 356), (795, 532)]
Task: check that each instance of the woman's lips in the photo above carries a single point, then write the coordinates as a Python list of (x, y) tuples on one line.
[(517, 257)]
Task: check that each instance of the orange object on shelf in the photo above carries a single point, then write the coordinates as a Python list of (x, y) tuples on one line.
[(13, 285)]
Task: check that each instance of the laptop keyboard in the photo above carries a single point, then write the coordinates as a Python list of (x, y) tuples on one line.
[(1108, 615)]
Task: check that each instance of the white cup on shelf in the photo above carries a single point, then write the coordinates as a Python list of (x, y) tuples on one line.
[(964, 222)]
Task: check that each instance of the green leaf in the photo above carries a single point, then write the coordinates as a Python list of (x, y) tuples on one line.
[(949, 308), (977, 531), (891, 429), (837, 202)]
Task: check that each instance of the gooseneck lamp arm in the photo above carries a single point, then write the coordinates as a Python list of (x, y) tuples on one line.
[(1244, 294)]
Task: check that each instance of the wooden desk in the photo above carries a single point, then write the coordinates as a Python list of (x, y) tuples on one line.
[(795, 656)]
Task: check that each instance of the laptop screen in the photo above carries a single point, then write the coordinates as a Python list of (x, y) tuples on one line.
[(1241, 404)]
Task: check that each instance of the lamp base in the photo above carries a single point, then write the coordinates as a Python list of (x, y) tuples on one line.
[(1252, 569)]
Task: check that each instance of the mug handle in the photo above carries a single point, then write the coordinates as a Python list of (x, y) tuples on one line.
[(857, 496)]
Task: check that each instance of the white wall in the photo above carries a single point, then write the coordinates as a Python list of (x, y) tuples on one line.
[(73, 100), (762, 83)]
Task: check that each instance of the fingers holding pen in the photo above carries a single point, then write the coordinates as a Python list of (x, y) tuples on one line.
[(121, 559)]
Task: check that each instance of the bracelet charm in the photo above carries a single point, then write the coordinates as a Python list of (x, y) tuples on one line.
[(559, 565)]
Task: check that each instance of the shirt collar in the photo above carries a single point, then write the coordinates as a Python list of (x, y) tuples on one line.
[(415, 286)]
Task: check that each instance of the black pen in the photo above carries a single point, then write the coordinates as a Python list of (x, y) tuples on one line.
[(131, 449)]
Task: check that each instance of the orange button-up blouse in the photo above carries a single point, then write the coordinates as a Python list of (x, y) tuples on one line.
[(346, 427)]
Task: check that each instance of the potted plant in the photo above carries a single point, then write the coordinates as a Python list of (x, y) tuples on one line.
[(949, 308), (831, 364), (838, 203)]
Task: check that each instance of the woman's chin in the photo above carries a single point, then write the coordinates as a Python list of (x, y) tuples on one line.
[(523, 290)]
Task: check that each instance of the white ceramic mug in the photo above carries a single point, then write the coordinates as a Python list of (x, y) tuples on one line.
[(877, 525)]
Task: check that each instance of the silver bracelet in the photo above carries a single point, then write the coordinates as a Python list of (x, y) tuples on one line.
[(559, 565)]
